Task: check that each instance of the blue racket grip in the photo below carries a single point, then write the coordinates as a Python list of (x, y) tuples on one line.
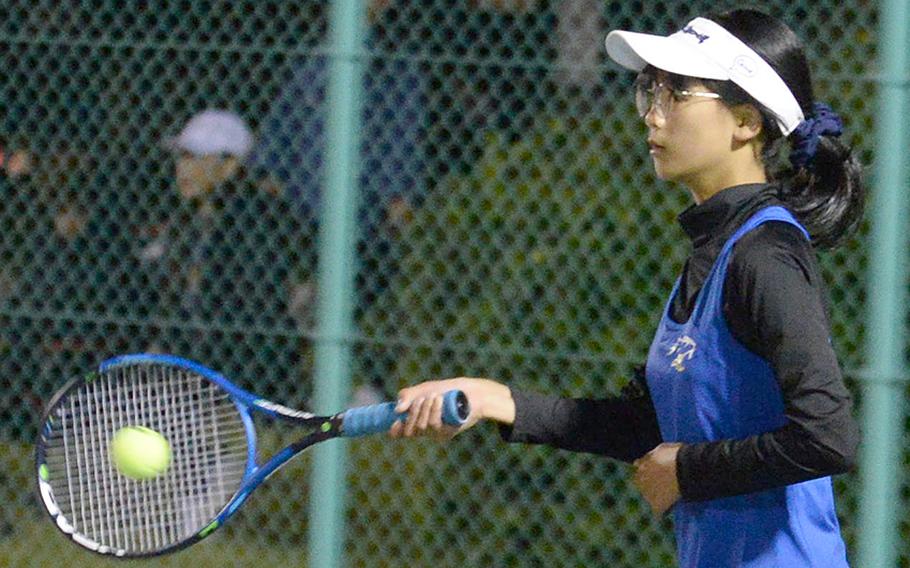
[(378, 418)]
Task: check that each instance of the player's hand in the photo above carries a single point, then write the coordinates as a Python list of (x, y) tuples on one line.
[(423, 403), (655, 477)]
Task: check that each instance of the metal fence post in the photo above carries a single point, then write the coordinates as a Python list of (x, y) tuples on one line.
[(337, 240), (883, 408)]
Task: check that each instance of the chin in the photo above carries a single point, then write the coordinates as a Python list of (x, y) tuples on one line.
[(189, 189), (663, 173)]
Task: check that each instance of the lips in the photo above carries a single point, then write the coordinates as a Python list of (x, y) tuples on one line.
[(654, 146)]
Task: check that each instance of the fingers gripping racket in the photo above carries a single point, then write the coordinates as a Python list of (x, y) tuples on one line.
[(206, 419)]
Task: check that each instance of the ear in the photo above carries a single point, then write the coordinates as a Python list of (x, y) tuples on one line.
[(748, 125)]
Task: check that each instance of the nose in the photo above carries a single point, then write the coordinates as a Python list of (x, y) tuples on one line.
[(653, 118)]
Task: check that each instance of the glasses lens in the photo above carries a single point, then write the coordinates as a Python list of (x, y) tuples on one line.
[(644, 97)]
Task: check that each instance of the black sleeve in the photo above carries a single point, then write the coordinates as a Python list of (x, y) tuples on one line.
[(773, 303), (622, 427)]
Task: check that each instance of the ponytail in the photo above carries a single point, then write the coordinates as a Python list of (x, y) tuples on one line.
[(823, 183)]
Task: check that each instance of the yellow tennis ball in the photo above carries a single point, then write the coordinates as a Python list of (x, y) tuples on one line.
[(140, 453)]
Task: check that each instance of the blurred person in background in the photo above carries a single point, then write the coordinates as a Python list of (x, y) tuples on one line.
[(50, 274), (16, 167), (580, 25), (492, 76), (220, 261), (393, 162), (292, 141), (17, 395), (740, 415)]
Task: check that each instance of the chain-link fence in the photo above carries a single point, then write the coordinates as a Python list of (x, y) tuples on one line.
[(510, 226)]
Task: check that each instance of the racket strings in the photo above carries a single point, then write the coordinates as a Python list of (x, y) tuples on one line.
[(208, 445)]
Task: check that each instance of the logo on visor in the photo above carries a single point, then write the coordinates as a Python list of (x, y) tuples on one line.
[(743, 66), (692, 31)]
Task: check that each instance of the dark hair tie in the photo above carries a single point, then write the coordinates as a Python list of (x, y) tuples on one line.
[(823, 122)]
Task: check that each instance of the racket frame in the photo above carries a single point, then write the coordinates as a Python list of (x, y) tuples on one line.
[(327, 427)]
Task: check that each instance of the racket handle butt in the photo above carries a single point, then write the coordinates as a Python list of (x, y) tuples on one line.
[(378, 418)]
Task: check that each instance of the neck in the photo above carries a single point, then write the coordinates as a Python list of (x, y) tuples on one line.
[(708, 184)]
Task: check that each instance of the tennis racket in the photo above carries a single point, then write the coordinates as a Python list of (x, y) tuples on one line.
[(208, 422)]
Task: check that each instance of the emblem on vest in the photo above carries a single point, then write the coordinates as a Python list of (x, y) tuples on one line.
[(684, 349)]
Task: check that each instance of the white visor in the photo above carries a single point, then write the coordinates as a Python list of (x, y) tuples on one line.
[(705, 50)]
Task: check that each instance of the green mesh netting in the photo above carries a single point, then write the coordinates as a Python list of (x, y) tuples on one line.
[(510, 226)]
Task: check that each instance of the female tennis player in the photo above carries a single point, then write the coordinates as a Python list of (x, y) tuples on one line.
[(740, 415)]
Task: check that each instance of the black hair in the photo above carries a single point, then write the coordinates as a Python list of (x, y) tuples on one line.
[(827, 194)]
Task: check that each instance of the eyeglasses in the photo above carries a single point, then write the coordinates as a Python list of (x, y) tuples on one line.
[(661, 97)]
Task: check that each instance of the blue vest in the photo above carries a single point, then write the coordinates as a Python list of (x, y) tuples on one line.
[(707, 386)]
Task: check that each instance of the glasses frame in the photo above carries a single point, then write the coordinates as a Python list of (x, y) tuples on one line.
[(660, 97)]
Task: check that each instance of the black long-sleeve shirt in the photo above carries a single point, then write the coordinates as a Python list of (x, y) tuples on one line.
[(774, 304)]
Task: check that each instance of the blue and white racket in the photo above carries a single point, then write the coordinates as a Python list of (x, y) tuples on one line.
[(208, 423)]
